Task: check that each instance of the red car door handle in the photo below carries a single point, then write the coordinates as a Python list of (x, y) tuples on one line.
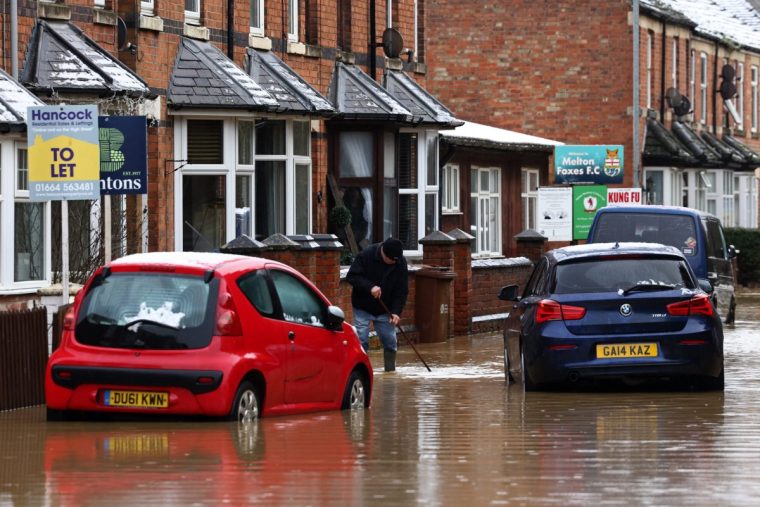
[(291, 335)]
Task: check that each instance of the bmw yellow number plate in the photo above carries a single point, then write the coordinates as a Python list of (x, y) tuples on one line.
[(139, 399), (626, 350)]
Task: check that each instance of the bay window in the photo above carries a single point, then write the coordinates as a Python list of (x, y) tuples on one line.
[(243, 177)]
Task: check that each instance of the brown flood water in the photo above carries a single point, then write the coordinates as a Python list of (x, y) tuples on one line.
[(455, 436)]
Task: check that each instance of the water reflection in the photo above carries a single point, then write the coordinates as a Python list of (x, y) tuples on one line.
[(456, 435)]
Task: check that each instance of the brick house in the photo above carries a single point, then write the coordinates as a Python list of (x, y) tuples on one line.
[(564, 71)]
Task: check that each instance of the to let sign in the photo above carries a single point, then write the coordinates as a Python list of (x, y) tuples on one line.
[(64, 156)]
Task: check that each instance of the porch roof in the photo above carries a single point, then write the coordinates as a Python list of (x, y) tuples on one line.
[(61, 58), (204, 78), (426, 109), (751, 157), (703, 152), (292, 92), (14, 99), (356, 96), (661, 147), (484, 136), (730, 155)]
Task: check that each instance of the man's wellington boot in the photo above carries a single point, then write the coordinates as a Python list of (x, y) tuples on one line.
[(390, 359)]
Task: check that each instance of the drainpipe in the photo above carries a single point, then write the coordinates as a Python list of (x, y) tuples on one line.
[(372, 41), (636, 84), (662, 72), (14, 39), (230, 30)]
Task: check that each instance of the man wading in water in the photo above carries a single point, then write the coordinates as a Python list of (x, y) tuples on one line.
[(379, 273)]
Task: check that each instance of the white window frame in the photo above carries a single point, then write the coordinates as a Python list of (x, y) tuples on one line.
[(450, 189), (703, 88), (674, 63), (254, 29), (9, 196), (230, 168), (193, 17), (423, 187), (650, 42), (480, 245), (99, 4), (147, 7), (529, 195), (754, 97), (693, 77), (747, 195), (713, 194), (389, 14), (740, 91), (416, 46), (292, 20)]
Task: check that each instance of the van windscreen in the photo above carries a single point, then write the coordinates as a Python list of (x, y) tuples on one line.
[(673, 230)]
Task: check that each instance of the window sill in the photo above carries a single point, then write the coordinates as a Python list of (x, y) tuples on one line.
[(103, 17), (296, 48), (152, 23), (259, 42), (418, 68), (53, 11), (451, 213), (196, 32)]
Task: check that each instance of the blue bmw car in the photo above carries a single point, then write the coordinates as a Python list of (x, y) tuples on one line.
[(612, 311)]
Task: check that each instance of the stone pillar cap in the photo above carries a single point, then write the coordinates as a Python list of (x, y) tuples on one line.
[(280, 242), (243, 244), (461, 236), (437, 238), (530, 235)]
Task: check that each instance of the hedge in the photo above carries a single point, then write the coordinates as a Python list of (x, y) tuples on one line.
[(747, 241)]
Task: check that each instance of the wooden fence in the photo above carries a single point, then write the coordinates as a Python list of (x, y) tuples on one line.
[(23, 356)]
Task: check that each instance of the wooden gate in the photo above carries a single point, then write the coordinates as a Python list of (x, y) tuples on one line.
[(23, 356)]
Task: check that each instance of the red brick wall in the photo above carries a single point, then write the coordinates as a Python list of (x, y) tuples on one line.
[(486, 285)]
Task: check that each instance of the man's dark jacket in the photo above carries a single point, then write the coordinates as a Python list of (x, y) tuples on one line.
[(368, 270)]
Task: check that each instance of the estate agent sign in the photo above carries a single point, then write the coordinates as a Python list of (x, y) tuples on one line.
[(123, 155), (596, 164), (64, 161)]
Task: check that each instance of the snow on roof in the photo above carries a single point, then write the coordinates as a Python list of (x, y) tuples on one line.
[(477, 132), (731, 19), (14, 99)]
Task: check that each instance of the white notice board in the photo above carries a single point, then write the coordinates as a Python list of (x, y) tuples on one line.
[(555, 213)]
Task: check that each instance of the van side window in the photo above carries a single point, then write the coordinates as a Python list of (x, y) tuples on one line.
[(716, 243)]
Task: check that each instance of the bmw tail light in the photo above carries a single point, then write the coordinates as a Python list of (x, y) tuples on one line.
[(698, 305), (68, 319), (227, 320), (551, 310)]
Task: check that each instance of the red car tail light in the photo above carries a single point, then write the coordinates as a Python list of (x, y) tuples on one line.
[(227, 320), (551, 310), (698, 305), (69, 319)]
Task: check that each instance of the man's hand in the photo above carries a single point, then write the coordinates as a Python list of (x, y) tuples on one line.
[(376, 292), (395, 319)]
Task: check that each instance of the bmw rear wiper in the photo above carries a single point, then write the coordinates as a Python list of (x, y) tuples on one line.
[(645, 287)]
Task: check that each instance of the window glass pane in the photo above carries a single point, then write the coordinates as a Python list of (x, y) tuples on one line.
[(390, 212), (407, 226), (389, 156), (431, 213), (358, 200), (245, 143), (22, 168), (293, 17), (356, 150), (301, 138), (29, 241), (270, 137), (432, 159), (256, 289), (654, 187), (474, 221), (243, 205), (493, 225), (299, 303), (1, 170), (256, 14), (203, 211), (407, 160), (205, 142), (270, 198), (302, 198)]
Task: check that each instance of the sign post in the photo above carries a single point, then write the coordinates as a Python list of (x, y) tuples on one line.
[(64, 163)]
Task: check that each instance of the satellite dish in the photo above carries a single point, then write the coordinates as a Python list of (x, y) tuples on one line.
[(393, 43), (121, 35), (680, 103), (728, 73)]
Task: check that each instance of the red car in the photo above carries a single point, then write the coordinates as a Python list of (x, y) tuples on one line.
[(206, 334)]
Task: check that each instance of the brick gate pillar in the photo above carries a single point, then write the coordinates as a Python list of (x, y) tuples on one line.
[(463, 282)]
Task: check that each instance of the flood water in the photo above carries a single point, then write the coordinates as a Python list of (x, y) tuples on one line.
[(456, 435)]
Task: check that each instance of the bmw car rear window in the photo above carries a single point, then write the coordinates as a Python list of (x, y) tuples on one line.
[(612, 275), (161, 311), (674, 230)]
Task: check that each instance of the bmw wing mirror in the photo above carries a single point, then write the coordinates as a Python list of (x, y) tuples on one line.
[(509, 293), (335, 317), (705, 285)]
